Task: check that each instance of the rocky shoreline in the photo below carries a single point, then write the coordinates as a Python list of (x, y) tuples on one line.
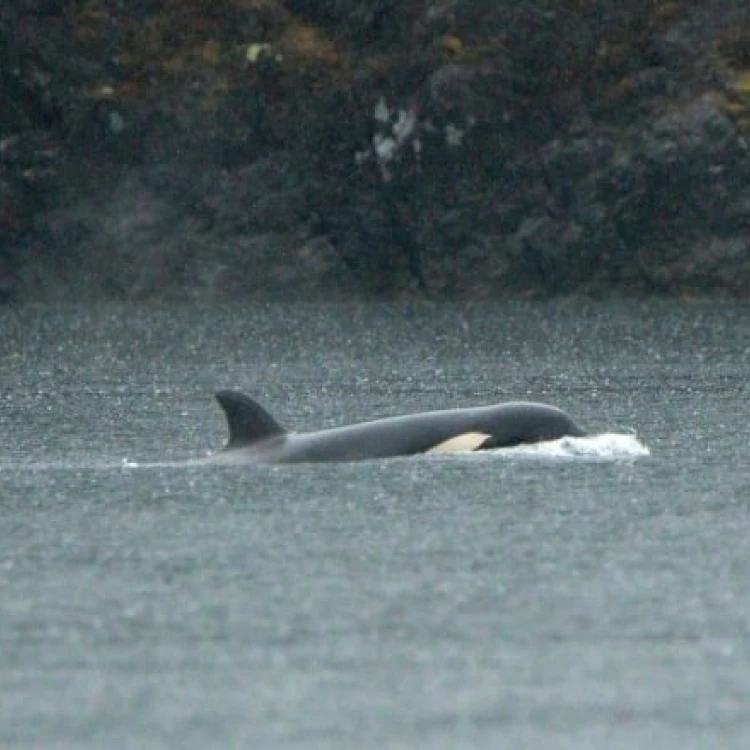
[(374, 150)]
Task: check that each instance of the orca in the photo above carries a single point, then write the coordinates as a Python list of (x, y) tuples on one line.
[(256, 437)]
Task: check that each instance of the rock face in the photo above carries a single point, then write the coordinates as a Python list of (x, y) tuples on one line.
[(373, 149)]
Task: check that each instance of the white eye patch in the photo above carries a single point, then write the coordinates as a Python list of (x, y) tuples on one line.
[(468, 441)]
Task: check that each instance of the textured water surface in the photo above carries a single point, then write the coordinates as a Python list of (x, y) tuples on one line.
[(582, 595)]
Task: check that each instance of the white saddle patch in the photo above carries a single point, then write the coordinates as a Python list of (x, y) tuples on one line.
[(468, 441)]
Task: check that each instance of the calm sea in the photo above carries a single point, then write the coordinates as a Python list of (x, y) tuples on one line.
[(589, 595)]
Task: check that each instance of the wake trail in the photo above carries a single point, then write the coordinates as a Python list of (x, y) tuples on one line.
[(610, 446)]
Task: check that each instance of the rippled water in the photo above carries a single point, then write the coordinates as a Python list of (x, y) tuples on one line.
[(576, 595)]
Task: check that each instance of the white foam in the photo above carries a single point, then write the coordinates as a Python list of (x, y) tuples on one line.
[(608, 445)]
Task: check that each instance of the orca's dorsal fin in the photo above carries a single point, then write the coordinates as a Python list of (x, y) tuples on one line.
[(247, 420)]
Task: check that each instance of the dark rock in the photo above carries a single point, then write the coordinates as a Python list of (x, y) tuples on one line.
[(389, 149)]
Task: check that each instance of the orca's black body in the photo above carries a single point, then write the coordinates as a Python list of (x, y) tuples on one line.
[(256, 437)]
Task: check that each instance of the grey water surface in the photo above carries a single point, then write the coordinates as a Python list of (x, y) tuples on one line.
[(436, 602)]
